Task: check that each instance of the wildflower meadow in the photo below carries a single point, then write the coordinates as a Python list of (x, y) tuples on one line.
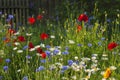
[(80, 48)]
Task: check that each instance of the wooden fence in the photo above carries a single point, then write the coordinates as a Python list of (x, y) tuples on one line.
[(18, 8), (22, 9)]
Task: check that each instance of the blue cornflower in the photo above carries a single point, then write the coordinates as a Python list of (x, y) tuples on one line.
[(66, 48), (25, 47), (48, 53), (55, 51), (48, 46), (43, 61), (40, 68), (108, 20), (70, 62), (7, 60), (0, 12), (89, 45), (103, 38), (25, 78), (10, 16), (28, 57), (64, 67), (65, 52), (79, 44), (99, 43), (5, 68), (77, 62)]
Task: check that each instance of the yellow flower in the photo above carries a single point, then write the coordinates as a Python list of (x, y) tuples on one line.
[(107, 73)]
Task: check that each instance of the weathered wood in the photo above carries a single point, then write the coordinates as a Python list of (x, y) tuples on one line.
[(21, 8)]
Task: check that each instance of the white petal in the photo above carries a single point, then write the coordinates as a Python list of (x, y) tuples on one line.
[(18, 70), (28, 34), (52, 36), (37, 46), (17, 33), (38, 54), (104, 55), (17, 43), (113, 68), (42, 45), (103, 79), (15, 48), (71, 42), (52, 49), (102, 72), (76, 57), (32, 49), (19, 51)]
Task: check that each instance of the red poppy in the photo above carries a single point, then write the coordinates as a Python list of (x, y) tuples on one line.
[(112, 45), (43, 55), (83, 17), (21, 38), (31, 45), (39, 50), (39, 17), (31, 20), (11, 31), (79, 28), (43, 36)]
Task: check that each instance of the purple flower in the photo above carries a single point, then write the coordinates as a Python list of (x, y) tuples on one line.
[(108, 20), (0, 12), (7, 60), (28, 57), (48, 46), (89, 45), (103, 38), (25, 78), (40, 68), (5, 68), (65, 52), (25, 47), (99, 43), (43, 61), (66, 48), (70, 62), (10, 16), (55, 51), (79, 44), (64, 67), (48, 53)]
